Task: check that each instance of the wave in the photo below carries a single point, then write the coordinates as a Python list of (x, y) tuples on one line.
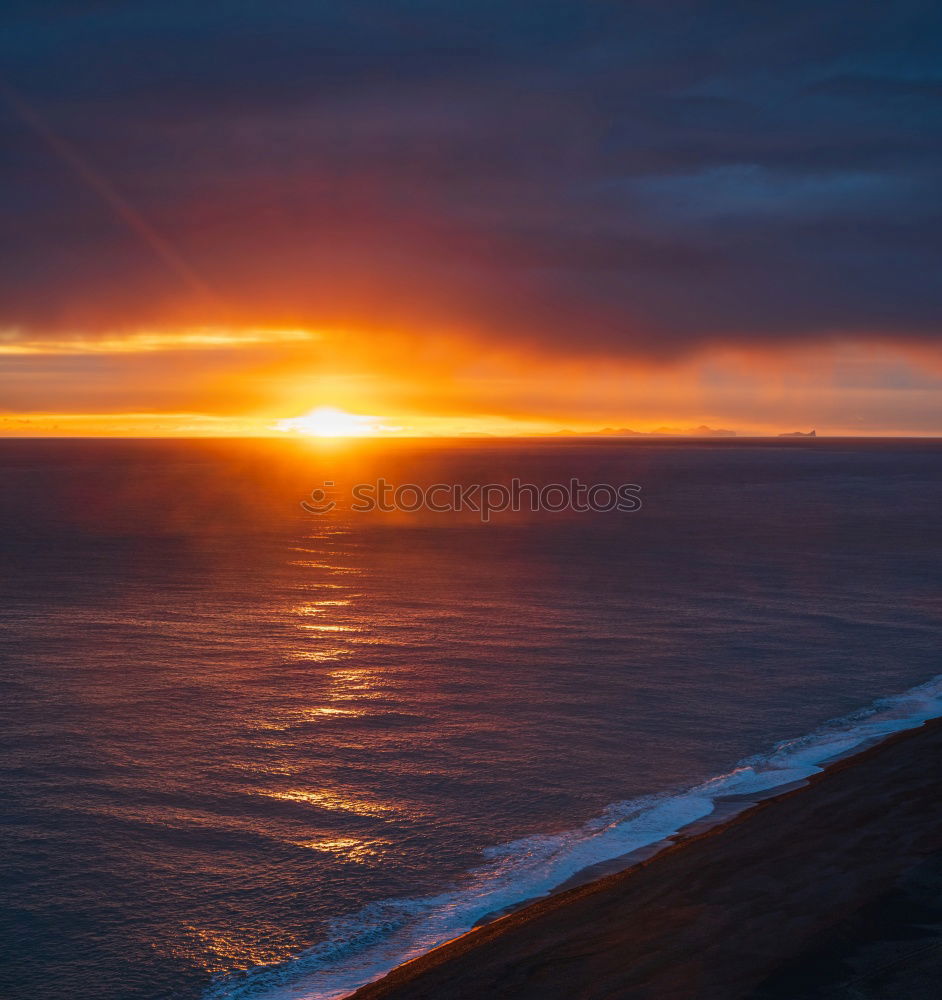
[(362, 947)]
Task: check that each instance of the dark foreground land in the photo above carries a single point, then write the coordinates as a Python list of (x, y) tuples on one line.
[(832, 890)]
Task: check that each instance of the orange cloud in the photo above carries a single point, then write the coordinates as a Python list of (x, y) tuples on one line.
[(209, 382)]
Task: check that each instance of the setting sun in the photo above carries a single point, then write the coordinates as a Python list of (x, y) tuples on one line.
[(328, 421)]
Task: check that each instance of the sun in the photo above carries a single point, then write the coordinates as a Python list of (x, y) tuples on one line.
[(329, 422)]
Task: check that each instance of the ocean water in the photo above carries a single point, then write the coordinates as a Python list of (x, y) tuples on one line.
[(249, 751)]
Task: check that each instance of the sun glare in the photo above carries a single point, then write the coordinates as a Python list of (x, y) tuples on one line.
[(327, 421)]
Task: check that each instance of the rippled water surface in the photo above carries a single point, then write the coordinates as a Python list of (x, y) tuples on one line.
[(234, 732)]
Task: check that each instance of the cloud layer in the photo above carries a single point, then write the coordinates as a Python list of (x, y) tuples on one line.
[(637, 179)]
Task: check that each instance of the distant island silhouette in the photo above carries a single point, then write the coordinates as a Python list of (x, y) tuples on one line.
[(701, 431), (798, 434)]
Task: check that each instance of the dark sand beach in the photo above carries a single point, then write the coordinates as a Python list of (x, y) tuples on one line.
[(833, 889)]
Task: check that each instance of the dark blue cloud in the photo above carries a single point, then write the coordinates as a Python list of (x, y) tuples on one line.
[(630, 177)]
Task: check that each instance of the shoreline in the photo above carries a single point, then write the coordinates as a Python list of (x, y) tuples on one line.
[(726, 808), (719, 906)]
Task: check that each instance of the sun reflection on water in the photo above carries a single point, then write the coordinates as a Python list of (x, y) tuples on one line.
[(329, 628), (334, 801), (221, 950), (319, 655), (348, 848), (318, 607), (316, 564)]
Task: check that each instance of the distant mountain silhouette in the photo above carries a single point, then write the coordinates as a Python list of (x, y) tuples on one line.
[(798, 434)]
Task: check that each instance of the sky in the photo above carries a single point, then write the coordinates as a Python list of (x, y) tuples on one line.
[(470, 217)]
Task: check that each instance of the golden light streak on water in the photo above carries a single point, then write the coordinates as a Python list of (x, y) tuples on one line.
[(218, 950), (349, 848), (334, 801)]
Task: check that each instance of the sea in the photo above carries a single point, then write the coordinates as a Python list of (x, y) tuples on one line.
[(254, 749)]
